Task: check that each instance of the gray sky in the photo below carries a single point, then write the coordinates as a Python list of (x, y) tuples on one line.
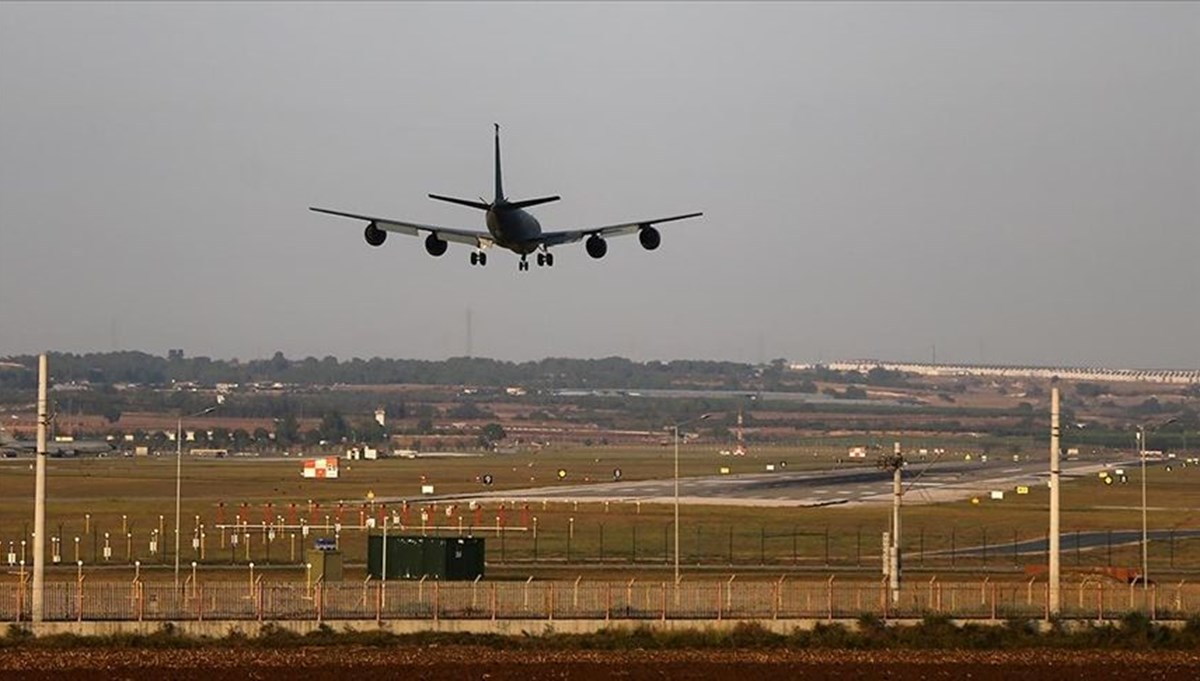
[(1011, 183)]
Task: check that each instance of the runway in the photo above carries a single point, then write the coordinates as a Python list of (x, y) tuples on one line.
[(860, 485)]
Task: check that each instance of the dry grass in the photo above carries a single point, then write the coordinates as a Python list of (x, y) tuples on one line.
[(133, 496)]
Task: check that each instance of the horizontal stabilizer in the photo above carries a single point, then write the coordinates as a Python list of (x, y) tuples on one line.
[(462, 202), (533, 202)]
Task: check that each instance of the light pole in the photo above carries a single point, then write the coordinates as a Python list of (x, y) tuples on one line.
[(1145, 534), (675, 429), (179, 480)]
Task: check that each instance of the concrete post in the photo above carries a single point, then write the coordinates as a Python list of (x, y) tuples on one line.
[(39, 494), (1055, 553)]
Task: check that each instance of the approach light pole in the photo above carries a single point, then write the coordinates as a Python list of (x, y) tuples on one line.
[(179, 480), (1145, 535), (675, 429)]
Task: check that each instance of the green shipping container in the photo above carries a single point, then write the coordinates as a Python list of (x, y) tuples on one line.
[(446, 558)]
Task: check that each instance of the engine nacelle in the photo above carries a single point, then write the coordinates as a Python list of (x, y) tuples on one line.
[(649, 237), (435, 246), (596, 246), (374, 235)]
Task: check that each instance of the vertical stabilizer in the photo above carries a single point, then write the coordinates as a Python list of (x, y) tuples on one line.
[(499, 182)]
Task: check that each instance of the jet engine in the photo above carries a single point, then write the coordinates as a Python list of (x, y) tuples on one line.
[(649, 237), (596, 246), (374, 235), (435, 246)]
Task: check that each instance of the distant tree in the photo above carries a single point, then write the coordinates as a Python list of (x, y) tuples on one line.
[(241, 438), (288, 432), (1150, 405), (490, 434), (333, 427)]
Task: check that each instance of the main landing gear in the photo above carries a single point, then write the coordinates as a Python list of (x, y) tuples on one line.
[(479, 258), (543, 260)]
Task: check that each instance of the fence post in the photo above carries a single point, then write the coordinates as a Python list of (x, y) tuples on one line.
[(79, 598), (550, 603), (493, 601), (719, 599), (1153, 602), (664, 602), (320, 593), (829, 588), (993, 601), (199, 601), (607, 601), (379, 601), (437, 599)]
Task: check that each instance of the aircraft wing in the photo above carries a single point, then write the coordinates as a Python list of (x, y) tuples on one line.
[(572, 235), (463, 236)]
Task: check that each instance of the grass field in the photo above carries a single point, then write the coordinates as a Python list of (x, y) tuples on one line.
[(132, 500)]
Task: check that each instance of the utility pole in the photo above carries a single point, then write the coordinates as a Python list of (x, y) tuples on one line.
[(891, 559), (1055, 604), (39, 494)]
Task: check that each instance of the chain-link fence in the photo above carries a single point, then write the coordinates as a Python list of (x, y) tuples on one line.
[(732, 598)]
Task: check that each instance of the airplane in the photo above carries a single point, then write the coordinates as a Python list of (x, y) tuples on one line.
[(509, 226), (54, 446)]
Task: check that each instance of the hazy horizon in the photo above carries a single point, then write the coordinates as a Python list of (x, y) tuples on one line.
[(984, 182)]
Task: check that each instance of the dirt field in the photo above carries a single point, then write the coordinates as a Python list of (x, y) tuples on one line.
[(468, 662)]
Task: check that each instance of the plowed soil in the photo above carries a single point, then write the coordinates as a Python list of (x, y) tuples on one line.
[(468, 662)]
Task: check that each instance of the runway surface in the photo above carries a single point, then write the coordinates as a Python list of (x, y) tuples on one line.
[(863, 484)]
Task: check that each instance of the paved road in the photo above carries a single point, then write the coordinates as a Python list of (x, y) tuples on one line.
[(925, 483)]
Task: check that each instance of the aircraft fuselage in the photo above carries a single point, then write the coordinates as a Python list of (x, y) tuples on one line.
[(513, 228)]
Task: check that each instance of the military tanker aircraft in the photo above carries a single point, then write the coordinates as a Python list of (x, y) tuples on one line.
[(509, 226)]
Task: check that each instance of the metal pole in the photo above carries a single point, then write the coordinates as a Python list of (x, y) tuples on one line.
[(39, 494), (178, 483), (1145, 537), (1055, 594), (676, 505), (894, 553)]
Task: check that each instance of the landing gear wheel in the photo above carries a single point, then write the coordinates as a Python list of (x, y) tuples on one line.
[(523, 265), (549, 259), (482, 259), (541, 259), (474, 258)]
